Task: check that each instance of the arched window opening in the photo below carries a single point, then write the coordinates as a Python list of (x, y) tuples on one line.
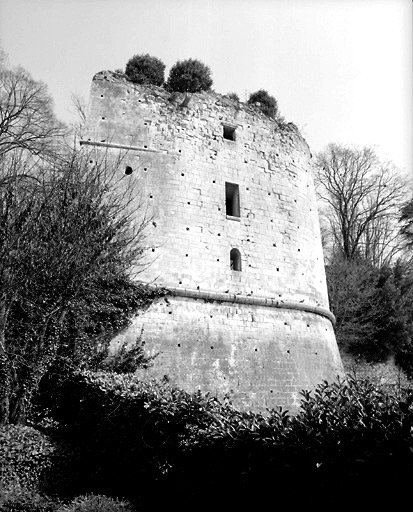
[(235, 260)]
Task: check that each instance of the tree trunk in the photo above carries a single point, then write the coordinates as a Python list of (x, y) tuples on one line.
[(21, 407), (5, 390), (47, 344), (5, 373)]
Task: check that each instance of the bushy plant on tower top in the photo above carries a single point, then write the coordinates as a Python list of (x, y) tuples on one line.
[(145, 69), (267, 104), (189, 75)]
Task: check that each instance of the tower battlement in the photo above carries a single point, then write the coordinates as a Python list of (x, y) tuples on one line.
[(234, 237)]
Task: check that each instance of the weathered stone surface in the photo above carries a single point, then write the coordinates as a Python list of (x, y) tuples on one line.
[(262, 355)]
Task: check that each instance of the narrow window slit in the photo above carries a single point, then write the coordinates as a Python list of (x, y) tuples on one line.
[(232, 199)]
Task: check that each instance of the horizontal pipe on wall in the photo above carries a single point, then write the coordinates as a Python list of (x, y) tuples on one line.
[(251, 300)]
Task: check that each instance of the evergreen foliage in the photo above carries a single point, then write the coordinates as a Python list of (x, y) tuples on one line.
[(175, 444), (96, 503), (189, 75), (374, 310), (146, 70), (406, 218), (25, 455), (267, 104), (233, 96), (18, 499)]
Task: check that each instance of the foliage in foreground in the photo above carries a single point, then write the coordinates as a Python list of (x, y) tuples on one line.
[(18, 499), (67, 247), (26, 456), (176, 445), (96, 503)]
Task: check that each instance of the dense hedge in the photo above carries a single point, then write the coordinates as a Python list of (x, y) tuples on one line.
[(158, 445), (25, 455), (96, 503), (119, 434), (21, 499)]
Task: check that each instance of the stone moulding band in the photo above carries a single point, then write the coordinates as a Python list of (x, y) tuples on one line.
[(119, 146), (255, 301)]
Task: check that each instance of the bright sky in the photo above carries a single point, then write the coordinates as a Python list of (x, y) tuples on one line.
[(341, 70)]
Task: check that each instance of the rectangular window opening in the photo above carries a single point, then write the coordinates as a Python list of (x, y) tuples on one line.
[(229, 132), (232, 199)]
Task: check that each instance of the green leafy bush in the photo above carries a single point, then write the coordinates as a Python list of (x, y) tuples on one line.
[(25, 455), (374, 309), (96, 503), (162, 446), (128, 359), (189, 76), (120, 430), (266, 103), (145, 69), (346, 435), (17, 499), (233, 96)]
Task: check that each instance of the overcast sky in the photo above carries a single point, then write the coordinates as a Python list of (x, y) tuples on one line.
[(341, 70)]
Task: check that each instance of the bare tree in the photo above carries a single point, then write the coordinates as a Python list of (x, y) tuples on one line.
[(63, 230), (71, 232), (79, 105), (27, 120), (361, 199)]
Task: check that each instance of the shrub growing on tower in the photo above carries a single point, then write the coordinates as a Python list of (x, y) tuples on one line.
[(189, 75), (145, 69), (267, 104)]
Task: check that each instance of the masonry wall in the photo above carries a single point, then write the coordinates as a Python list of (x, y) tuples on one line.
[(261, 357), (178, 161)]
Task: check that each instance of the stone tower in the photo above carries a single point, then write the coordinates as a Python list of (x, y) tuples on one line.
[(234, 237)]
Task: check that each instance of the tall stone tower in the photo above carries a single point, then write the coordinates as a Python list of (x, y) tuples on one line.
[(234, 237)]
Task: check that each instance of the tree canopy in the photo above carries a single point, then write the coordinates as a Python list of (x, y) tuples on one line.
[(360, 203), (406, 219), (369, 273), (66, 239), (70, 235), (27, 120), (266, 103), (189, 75), (145, 69)]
